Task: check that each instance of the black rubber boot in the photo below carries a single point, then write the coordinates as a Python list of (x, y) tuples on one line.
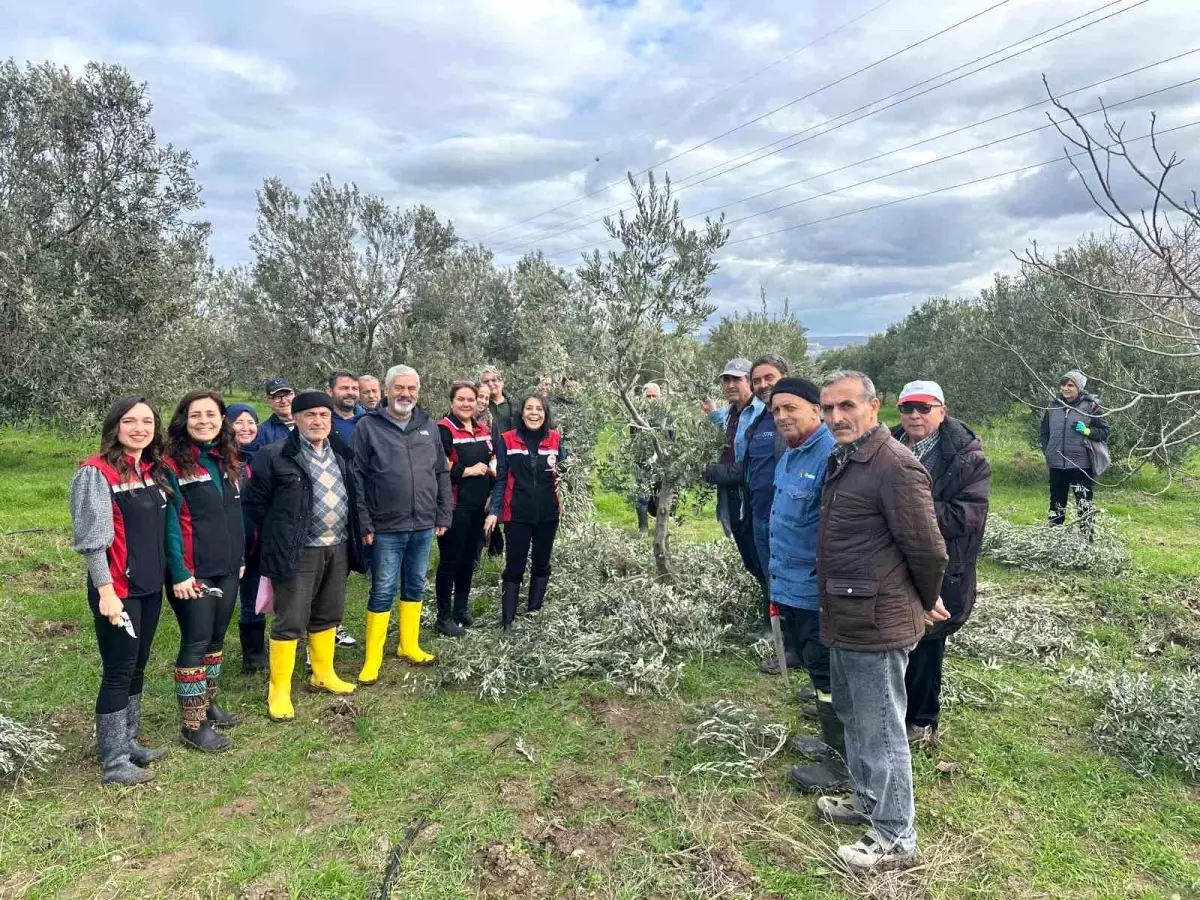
[(205, 738), (254, 647), (445, 624), (112, 743), (508, 603), (462, 598), (806, 694), (831, 775), (222, 718), (138, 755), (807, 745), (462, 615), (537, 591)]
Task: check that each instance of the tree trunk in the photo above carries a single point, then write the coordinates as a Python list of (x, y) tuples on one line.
[(662, 526)]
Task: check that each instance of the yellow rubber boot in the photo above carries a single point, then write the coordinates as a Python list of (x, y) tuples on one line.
[(279, 692), (410, 630), (320, 651), (375, 638)]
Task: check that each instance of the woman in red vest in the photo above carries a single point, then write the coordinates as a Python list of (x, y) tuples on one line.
[(526, 500), (206, 541), (119, 508), (470, 455)]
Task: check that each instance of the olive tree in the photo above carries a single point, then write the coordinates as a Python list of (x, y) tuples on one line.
[(646, 303)]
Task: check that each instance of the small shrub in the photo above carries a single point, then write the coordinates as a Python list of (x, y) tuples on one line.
[(1145, 719)]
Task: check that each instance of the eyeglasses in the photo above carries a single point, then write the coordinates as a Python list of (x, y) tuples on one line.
[(922, 408)]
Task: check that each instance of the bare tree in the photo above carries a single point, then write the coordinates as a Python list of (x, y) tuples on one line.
[(1139, 297)]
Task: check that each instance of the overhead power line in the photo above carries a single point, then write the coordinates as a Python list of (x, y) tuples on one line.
[(771, 112), (713, 96), (953, 187), (921, 142), (871, 109)]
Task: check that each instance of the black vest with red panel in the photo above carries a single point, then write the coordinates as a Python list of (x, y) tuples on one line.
[(463, 450), (210, 520), (531, 489), (137, 557)]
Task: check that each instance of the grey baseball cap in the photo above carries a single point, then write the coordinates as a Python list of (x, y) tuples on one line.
[(739, 368)]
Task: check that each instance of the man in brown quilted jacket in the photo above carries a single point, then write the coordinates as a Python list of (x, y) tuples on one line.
[(880, 562)]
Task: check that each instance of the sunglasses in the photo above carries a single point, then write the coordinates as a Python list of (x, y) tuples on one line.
[(922, 408)]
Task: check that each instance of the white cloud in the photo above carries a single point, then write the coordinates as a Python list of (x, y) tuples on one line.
[(493, 112)]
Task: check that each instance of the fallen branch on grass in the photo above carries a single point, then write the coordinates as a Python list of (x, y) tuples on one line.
[(752, 739), (607, 619)]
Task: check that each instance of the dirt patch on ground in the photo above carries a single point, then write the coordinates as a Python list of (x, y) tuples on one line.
[(245, 806), (262, 893), (51, 628), (635, 718), (586, 845), (579, 789), (327, 804), (339, 718), (509, 872)]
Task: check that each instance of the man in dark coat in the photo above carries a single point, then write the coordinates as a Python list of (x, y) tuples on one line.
[(880, 561), (962, 481)]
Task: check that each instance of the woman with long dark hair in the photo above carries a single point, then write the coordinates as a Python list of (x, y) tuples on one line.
[(118, 504), (526, 499), (252, 625), (469, 451), (205, 551)]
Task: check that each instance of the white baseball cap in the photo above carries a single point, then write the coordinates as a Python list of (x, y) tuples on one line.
[(922, 392)]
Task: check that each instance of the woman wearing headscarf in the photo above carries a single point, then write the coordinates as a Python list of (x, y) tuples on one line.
[(118, 502), (470, 454), (1074, 437), (206, 541), (526, 499), (252, 625)]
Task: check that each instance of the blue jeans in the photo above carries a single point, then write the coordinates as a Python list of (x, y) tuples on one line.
[(869, 696), (398, 558)]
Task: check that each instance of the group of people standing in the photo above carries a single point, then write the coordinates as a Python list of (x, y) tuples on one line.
[(354, 477), (865, 542)]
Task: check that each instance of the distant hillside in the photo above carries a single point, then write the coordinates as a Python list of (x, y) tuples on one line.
[(819, 343)]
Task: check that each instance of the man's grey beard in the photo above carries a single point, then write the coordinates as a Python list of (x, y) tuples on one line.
[(402, 410)]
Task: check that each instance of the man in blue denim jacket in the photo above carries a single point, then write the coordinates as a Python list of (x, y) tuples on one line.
[(795, 523)]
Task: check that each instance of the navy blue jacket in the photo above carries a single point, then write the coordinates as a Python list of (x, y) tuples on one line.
[(270, 432), (345, 427), (755, 471)]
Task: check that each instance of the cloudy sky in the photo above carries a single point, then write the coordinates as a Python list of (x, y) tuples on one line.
[(515, 119)]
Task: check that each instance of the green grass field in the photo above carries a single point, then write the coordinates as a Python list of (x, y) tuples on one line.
[(1015, 803)]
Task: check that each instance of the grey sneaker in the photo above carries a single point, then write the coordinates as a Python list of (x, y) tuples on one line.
[(343, 638), (871, 853), (842, 810)]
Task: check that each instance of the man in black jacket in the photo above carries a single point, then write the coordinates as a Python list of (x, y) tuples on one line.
[(303, 502), (502, 413), (404, 501), (962, 481)]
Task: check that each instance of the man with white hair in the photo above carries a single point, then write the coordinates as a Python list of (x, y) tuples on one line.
[(404, 501)]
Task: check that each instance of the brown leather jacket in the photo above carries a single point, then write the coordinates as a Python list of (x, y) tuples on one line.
[(881, 556)]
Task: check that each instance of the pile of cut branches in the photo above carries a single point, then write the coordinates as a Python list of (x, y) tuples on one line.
[(608, 619), (24, 749), (1090, 545)]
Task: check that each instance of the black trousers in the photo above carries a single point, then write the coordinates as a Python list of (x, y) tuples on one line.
[(204, 621), (458, 552), (923, 682), (1063, 483), (123, 658), (519, 538), (741, 525), (802, 633), (314, 599)]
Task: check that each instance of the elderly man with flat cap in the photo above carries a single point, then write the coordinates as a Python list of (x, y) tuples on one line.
[(302, 501), (962, 481)]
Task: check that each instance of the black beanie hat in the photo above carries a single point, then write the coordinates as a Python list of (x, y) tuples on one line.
[(799, 387), (311, 400)]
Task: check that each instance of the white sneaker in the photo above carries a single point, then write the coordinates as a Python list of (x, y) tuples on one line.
[(871, 853), (343, 638)]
